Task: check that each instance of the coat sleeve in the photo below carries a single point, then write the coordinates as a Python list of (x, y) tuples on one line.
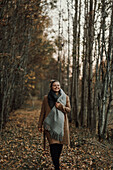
[(42, 114), (67, 108)]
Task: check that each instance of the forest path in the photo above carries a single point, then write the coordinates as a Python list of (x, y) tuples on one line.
[(21, 146)]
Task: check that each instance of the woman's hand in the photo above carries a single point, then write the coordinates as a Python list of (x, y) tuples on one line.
[(60, 107), (57, 105)]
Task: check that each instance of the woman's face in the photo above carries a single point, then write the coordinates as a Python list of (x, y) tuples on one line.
[(56, 86)]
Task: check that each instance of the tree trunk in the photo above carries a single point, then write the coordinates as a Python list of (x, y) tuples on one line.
[(74, 76), (68, 62), (83, 112)]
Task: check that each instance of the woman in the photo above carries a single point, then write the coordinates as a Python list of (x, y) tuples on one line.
[(53, 116)]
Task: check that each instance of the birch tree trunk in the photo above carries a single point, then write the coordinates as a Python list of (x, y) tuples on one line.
[(68, 63), (109, 77), (59, 45), (78, 58), (102, 92)]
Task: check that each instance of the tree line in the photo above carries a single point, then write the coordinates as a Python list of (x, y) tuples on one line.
[(89, 82), (90, 85), (97, 61), (25, 52)]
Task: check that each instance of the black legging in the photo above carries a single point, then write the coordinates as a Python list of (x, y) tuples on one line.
[(55, 150)]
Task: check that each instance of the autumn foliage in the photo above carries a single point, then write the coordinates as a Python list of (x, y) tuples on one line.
[(25, 51)]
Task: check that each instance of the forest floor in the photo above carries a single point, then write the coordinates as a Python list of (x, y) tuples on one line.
[(21, 146)]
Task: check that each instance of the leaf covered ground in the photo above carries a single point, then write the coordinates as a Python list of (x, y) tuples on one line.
[(21, 146)]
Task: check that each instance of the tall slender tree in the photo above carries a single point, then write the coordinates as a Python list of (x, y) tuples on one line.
[(74, 73)]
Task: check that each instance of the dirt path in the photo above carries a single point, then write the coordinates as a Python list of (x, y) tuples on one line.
[(21, 146)]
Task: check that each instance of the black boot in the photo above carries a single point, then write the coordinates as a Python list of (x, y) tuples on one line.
[(55, 150)]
